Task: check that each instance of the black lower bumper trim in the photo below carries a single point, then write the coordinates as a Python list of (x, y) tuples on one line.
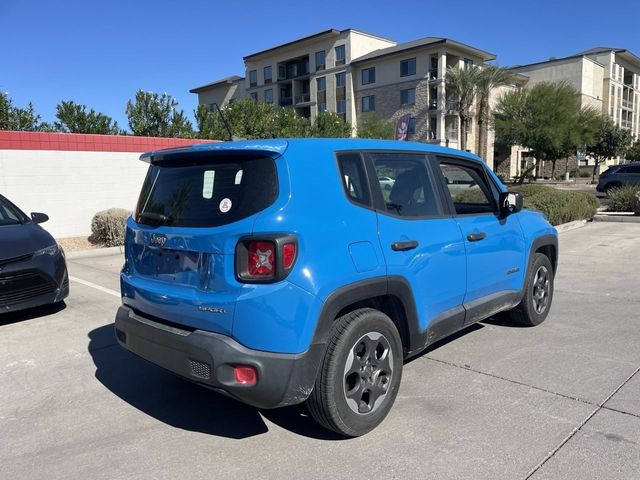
[(208, 358)]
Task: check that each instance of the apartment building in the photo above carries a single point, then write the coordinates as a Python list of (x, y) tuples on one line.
[(607, 79), (354, 73), (311, 74)]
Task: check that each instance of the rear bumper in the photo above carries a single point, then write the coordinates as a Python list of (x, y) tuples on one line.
[(208, 359)]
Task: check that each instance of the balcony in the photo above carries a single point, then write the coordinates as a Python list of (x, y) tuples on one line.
[(433, 74), (303, 98), (286, 102), (433, 104), (452, 107)]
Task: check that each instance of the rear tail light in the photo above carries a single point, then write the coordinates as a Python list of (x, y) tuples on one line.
[(261, 259), (264, 259), (245, 375)]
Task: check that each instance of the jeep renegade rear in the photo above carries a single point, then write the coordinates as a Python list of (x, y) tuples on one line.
[(278, 272)]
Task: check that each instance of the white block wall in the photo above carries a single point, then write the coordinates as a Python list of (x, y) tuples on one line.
[(70, 186)]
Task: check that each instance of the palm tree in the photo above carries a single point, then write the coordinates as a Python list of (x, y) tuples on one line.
[(461, 85), (488, 78)]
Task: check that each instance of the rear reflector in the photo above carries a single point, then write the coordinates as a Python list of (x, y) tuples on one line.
[(245, 375)]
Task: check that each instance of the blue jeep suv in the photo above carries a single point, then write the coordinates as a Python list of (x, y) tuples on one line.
[(282, 271)]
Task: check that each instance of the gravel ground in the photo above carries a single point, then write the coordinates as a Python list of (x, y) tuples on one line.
[(73, 244)]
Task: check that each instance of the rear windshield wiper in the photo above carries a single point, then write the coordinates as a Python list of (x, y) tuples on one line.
[(157, 218)]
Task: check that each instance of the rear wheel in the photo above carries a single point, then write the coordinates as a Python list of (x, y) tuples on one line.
[(538, 294), (360, 373)]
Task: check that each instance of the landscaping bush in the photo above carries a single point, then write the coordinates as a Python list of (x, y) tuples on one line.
[(559, 206), (625, 199), (107, 227)]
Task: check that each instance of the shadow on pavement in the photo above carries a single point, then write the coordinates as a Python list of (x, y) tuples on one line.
[(182, 404), (31, 313)]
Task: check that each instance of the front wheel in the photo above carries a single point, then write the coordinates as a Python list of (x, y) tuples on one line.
[(538, 294), (360, 373)]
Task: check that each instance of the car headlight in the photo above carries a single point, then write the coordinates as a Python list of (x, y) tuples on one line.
[(52, 250)]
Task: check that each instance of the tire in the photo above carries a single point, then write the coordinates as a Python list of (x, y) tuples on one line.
[(360, 373), (538, 294)]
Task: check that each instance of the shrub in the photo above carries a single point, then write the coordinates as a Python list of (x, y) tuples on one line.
[(559, 206), (107, 227), (625, 199)]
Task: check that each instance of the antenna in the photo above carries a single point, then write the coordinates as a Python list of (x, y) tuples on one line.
[(226, 125)]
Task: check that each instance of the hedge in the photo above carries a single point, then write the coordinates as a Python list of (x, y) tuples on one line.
[(559, 206), (625, 199), (108, 227)]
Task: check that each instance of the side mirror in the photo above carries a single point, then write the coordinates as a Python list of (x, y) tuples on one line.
[(39, 217), (510, 202)]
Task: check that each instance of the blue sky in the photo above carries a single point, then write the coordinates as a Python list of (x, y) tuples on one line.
[(100, 53)]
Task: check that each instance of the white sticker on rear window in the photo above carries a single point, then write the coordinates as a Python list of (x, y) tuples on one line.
[(225, 205), (207, 184)]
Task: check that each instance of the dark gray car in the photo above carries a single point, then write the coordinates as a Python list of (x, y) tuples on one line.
[(618, 176), (33, 270)]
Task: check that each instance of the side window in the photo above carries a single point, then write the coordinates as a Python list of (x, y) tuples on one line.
[(468, 188), (354, 179), (631, 169), (405, 184)]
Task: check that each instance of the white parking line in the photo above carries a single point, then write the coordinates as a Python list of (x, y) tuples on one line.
[(93, 285)]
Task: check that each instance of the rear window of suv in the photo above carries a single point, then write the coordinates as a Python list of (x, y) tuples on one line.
[(207, 193)]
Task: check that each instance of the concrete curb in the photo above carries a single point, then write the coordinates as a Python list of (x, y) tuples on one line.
[(617, 218), (565, 227), (94, 252)]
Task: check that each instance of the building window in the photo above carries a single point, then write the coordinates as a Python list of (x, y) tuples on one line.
[(408, 96), (368, 75), (341, 106), (341, 79), (468, 63), (412, 125), (268, 78), (322, 107), (268, 96), (320, 60), (340, 55), (368, 103), (254, 96), (321, 84), (253, 78), (408, 67)]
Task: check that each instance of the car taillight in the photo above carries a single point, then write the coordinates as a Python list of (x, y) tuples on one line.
[(261, 257), (288, 254), (264, 259)]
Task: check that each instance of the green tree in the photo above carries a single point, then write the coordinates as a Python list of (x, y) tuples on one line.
[(250, 119), (74, 118), (546, 118), (610, 141), (487, 79), (374, 126), (15, 118), (330, 125), (461, 87), (155, 115), (633, 153)]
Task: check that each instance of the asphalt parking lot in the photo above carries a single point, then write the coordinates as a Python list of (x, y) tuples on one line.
[(560, 401)]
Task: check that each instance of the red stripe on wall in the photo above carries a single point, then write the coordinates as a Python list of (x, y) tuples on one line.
[(12, 140)]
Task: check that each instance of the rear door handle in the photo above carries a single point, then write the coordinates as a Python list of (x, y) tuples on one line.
[(475, 237), (402, 246)]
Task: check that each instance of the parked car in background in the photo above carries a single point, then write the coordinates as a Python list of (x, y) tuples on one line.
[(240, 277), (618, 176), (386, 182), (33, 270)]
